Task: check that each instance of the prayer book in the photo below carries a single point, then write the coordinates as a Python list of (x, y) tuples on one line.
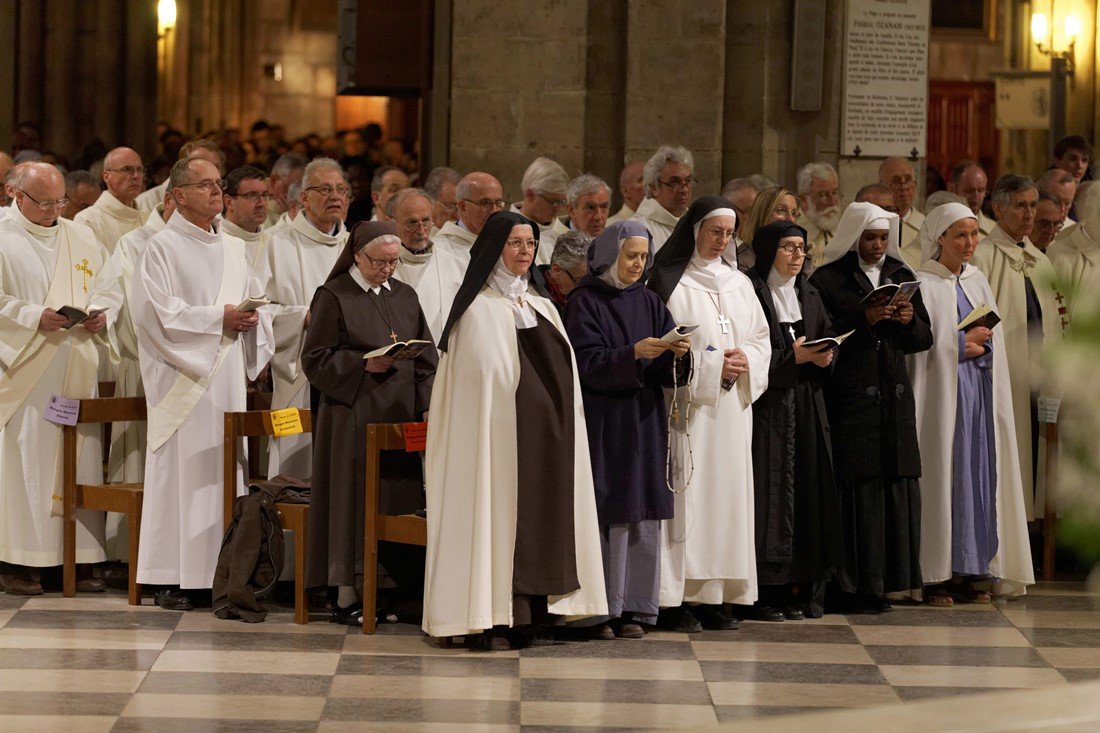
[(891, 294), (401, 350), (76, 315), (983, 315), (678, 333), (830, 341), (251, 303)]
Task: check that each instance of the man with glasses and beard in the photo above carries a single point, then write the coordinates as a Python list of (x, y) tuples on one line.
[(296, 262), (819, 189)]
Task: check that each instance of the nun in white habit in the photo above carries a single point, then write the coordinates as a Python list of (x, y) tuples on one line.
[(973, 521)]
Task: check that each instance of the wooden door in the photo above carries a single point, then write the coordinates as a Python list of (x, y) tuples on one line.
[(961, 124)]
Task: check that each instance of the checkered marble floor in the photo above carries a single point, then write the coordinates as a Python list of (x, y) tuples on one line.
[(92, 663)]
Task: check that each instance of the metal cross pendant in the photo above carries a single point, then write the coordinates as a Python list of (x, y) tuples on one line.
[(84, 270), (724, 323), (791, 329), (393, 335)]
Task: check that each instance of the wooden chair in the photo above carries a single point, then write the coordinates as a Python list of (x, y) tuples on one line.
[(407, 529), (124, 498), (295, 516)]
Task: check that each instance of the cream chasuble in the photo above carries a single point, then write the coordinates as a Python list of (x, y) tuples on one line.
[(443, 274), (45, 267), (296, 262), (910, 239), (708, 551), (193, 373), (935, 376), (1075, 256), (1005, 265), (657, 219)]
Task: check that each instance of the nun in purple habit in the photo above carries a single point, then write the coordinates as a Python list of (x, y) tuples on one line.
[(615, 325)]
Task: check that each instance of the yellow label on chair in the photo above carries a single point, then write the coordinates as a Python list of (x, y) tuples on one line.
[(286, 422)]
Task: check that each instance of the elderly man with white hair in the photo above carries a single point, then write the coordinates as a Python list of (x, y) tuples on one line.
[(410, 209), (544, 186), (568, 264), (589, 205), (46, 263), (819, 189), (632, 188), (669, 178), (968, 180), (897, 174), (441, 185), (295, 262), (288, 169), (114, 212)]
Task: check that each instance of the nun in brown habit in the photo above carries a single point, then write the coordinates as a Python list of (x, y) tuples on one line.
[(360, 308)]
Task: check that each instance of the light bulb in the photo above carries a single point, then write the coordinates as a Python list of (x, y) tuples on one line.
[(1039, 27), (1073, 27), (166, 14)]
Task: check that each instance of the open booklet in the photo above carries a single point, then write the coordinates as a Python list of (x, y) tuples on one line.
[(831, 341), (678, 333), (892, 294), (251, 303), (76, 315), (401, 350), (983, 315)]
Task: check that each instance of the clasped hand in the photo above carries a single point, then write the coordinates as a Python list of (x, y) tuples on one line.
[(975, 341), (734, 364), (236, 322)]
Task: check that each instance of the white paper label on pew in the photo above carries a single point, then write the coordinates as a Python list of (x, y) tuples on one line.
[(1048, 409), (62, 410)]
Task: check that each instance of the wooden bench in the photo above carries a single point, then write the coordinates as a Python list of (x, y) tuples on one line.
[(123, 498), (407, 529), (295, 517)]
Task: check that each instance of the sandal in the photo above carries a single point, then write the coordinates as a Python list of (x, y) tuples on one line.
[(349, 615), (965, 592), (939, 597)]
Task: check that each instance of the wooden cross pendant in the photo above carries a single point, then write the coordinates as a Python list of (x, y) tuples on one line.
[(84, 270), (724, 323)]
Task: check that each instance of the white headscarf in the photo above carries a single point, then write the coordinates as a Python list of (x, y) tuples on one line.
[(856, 219), (936, 222), (514, 288), (784, 296)]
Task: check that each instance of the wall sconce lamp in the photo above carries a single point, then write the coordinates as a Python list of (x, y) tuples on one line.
[(166, 15), (1040, 33)]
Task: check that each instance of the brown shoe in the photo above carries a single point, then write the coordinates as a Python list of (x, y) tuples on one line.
[(22, 584), (90, 585)]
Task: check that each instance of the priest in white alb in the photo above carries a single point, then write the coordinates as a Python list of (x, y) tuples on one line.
[(246, 195), (708, 552), (201, 148), (296, 261), (195, 351), (479, 196), (1075, 252), (411, 210), (544, 185), (1021, 278), (669, 179), (46, 263), (114, 213)]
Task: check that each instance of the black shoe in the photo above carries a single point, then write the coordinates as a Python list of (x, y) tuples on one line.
[(488, 641), (767, 613), (678, 619), (712, 618), (349, 615), (173, 599), (793, 613)]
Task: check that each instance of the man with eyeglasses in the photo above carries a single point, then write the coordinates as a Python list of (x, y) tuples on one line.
[(479, 196), (114, 212), (246, 196), (1048, 221), (969, 180), (441, 185), (632, 188), (1063, 187), (295, 262), (819, 189), (46, 262), (206, 149), (589, 204), (897, 174), (544, 185), (196, 351), (669, 178), (568, 264), (1075, 253), (410, 209), (82, 190)]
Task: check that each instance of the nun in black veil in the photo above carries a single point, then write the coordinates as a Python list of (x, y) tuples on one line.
[(512, 528)]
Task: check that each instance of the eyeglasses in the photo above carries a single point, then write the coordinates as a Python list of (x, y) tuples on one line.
[(128, 170), (678, 184), (449, 208), (903, 181), (383, 264), (784, 213), (833, 195), (1048, 224), (557, 203), (206, 186), (412, 225), (46, 205), (795, 250), (327, 190), (498, 204), (517, 244), (252, 197), (720, 233)]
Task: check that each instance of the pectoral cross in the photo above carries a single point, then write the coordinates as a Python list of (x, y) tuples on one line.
[(791, 329), (1063, 312), (393, 335), (724, 323), (86, 271)]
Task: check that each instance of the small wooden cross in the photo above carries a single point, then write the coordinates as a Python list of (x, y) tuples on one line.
[(724, 323), (393, 335), (86, 271)]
